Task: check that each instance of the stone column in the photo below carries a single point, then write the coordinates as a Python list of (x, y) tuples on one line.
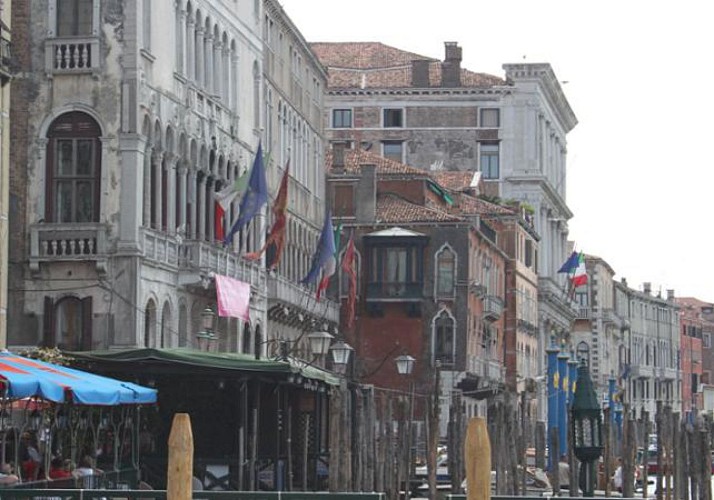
[(182, 197), (200, 59), (201, 209), (211, 209), (191, 221), (181, 39), (209, 63), (190, 49), (132, 189), (158, 160), (148, 154), (171, 171), (218, 69), (234, 82)]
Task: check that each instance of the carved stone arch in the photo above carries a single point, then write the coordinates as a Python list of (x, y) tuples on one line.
[(221, 169), (183, 324), (193, 154), (157, 136), (170, 140), (146, 129), (182, 150), (445, 271), (164, 330), (443, 336), (202, 161), (199, 18), (150, 317)]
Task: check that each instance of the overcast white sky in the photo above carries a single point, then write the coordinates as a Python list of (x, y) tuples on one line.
[(638, 75)]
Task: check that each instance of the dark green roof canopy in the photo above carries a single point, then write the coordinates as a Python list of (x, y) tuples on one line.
[(210, 360)]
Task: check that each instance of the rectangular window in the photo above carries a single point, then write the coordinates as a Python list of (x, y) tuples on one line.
[(74, 17), (392, 150), (341, 118), (490, 118), (393, 118), (706, 340), (489, 160), (529, 254)]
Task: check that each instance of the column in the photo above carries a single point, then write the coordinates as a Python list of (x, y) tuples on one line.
[(181, 40), (182, 198), (208, 42), (132, 149), (171, 171), (218, 69), (158, 160), (234, 82), (201, 208), (200, 56), (210, 210), (190, 49), (190, 208), (148, 154)]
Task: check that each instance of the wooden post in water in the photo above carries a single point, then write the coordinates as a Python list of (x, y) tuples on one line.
[(179, 484), (477, 459)]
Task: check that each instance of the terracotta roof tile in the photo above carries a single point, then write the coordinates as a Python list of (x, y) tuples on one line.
[(392, 209), (375, 65), (355, 157), (471, 205), (456, 180)]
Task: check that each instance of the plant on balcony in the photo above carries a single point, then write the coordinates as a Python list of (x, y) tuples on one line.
[(48, 354)]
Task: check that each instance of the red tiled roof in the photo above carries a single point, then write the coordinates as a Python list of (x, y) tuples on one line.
[(475, 206), (375, 65), (355, 157), (457, 180), (393, 209)]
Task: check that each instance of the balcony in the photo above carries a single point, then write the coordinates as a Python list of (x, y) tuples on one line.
[(386, 291), (161, 248), (72, 55), (583, 312), (286, 292), (66, 242), (492, 307), (198, 259)]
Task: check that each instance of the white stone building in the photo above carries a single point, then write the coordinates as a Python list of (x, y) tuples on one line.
[(134, 114)]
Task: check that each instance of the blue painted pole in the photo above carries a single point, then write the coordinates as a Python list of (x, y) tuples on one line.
[(562, 402), (553, 384), (611, 399)]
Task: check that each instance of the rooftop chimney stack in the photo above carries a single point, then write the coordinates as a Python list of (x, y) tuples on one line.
[(647, 287), (420, 73), (670, 294), (623, 281), (451, 67)]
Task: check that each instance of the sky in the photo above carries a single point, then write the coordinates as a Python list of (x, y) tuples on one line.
[(636, 75)]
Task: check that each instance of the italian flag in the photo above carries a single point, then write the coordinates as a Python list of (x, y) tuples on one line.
[(580, 275)]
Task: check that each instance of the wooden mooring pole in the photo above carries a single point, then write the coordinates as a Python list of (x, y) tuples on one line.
[(179, 484), (477, 458)]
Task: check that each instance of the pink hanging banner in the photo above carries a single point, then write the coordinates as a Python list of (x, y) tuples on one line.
[(233, 297)]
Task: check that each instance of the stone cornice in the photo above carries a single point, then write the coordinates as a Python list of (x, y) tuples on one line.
[(421, 91), (545, 186)]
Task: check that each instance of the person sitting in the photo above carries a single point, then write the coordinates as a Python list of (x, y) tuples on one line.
[(7, 478)]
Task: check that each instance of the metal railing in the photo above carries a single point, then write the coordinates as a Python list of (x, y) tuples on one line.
[(72, 494)]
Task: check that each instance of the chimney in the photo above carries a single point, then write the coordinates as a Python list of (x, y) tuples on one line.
[(647, 287), (338, 158), (670, 294), (420, 73), (623, 281), (451, 67), (366, 195)]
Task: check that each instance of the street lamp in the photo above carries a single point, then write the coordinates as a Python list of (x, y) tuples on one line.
[(206, 336), (586, 428), (341, 352), (405, 365), (319, 343)]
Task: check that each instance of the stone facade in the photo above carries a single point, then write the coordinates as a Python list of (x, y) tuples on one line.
[(5, 77), (127, 127)]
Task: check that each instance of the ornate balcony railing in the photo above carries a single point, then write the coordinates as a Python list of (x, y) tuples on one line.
[(57, 242), (202, 258), (161, 247), (72, 55), (492, 307), (285, 291)]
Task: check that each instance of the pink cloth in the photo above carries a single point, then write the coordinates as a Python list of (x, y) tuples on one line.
[(233, 297)]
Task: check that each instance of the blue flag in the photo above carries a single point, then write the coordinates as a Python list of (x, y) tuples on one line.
[(571, 264), (256, 195), (324, 257)]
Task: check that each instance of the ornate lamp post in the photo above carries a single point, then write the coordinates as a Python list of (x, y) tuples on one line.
[(405, 366), (206, 336), (586, 428), (341, 353), (319, 343)]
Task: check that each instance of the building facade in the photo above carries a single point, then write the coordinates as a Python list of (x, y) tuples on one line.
[(5, 77), (649, 354), (692, 325), (129, 128), (436, 115)]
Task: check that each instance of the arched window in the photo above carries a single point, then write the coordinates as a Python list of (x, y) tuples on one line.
[(445, 272), (246, 338), (73, 169), (165, 332), (150, 324), (444, 345), (258, 341), (72, 326), (183, 326), (256, 95)]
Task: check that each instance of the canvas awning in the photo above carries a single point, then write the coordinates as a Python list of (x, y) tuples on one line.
[(25, 377), (212, 360)]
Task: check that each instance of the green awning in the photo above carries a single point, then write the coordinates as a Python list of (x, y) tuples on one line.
[(210, 360)]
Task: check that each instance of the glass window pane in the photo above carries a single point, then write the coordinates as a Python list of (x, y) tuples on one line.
[(84, 156), (69, 324), (64, 201), (64, 158), (84, 17), (85, 201)]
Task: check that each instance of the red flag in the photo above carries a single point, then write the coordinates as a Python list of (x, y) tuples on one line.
[(348, 266), (276, 236), (220, 213)]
